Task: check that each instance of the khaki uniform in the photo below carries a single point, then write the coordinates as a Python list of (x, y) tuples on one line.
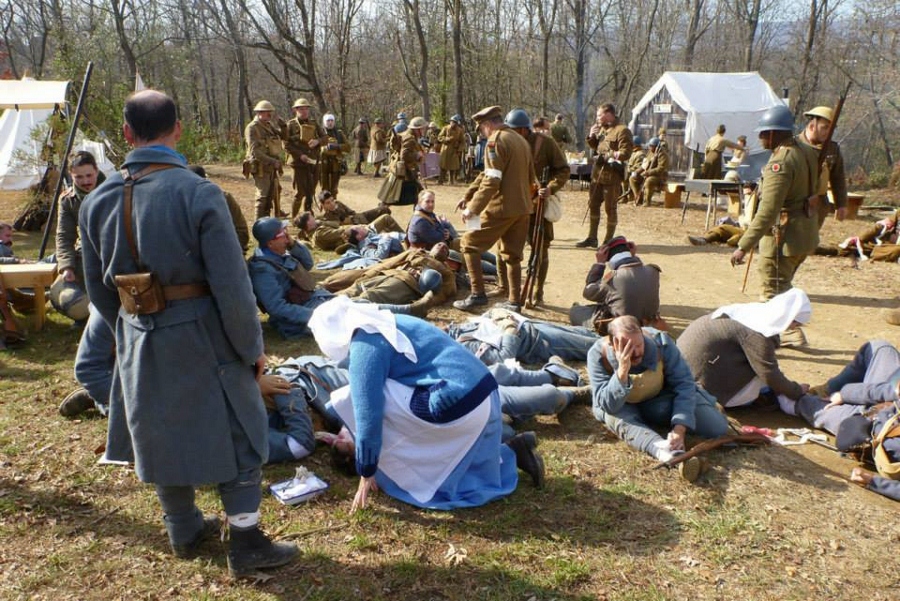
[(394, 280), (237, 218), (452, 139), (501, 195), (378, 140), (788, 179), (346, 216), (650, 178), (328, 235), (297, 138), (402, 184), (360, 137), (606, 177), (331, 159), (712, 158), (547, 155), (831, 177), (263, 161), (560, 134)]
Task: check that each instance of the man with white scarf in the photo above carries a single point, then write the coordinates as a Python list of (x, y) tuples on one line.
[(424, 413), (331, 159), (731, 351)]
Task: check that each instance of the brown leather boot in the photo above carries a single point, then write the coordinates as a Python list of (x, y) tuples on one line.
[(591, 240), (514, 276), (502, 290), (610, 232)]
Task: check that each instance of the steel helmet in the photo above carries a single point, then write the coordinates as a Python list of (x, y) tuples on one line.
[(401, 116), (267, 228), (776, 118), (824, 112), (518, 118), (301, 102), (263, 106), (637, 141), (429, 279), (418, 123), (456, 119), (69, 299), (401, 127), (654, 142)]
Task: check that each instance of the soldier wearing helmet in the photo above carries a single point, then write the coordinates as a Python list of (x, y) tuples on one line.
[(263, 137), (547, 157), (785, 226), (453, 142), (831, 176), (360, 135), (302, 141), (402, 185), (652, 173)]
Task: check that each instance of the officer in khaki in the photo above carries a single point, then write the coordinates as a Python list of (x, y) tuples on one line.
[(452, 140), (831, 175), (263, 161), (611, 140), (786, 231), (547, 158), (302, 140), (501, 196)]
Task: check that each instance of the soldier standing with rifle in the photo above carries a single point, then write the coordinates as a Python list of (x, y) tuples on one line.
[(786, 222), (611, 140), (551, 164), (263, 160), (302, 141), (817, 134)]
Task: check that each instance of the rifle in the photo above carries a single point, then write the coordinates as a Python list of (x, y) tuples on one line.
[(536, 258), (709, 445), (812, 204)]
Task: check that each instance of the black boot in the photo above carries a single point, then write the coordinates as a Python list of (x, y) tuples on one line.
[(527, 458), (250, 550)]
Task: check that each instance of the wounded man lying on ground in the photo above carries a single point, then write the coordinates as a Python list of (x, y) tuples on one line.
[(501, 334), (878, 242)]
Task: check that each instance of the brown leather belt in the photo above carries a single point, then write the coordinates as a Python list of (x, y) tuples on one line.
[(186, 291)]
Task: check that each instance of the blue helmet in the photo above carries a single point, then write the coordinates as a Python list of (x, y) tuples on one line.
[(267, 228), (401, 116), (637, 141), (429, 279), (518, 118), (654, 142), (456, 119), (776, 118), (401, 127)]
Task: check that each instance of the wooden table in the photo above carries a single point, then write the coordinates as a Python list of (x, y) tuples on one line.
[(712, 188), (31, 275)]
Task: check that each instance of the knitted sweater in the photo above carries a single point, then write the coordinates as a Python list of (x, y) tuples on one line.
[(724, 355), (449, 382)]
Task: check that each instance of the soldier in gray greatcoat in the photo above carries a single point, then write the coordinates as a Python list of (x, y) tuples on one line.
[(184, 390)]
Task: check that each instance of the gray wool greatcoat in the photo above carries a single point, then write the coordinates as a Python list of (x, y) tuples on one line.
[(180, 372)]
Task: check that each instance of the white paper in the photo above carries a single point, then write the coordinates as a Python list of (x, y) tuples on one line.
[(473, 223)]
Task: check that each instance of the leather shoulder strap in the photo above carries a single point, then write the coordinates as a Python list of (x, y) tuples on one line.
[(127, 195)]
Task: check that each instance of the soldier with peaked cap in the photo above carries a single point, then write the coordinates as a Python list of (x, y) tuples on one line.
[(501, 196), (831, 175), (453, 141), (302, 140), (263, 160)]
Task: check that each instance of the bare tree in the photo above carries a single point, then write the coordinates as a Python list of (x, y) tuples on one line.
[(415, 71)]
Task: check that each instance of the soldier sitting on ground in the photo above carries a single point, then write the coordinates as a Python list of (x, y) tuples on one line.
[(620, 284), (329, 235), (335, 210)]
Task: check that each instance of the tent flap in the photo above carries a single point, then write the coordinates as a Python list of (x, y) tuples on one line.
[(31, 94)]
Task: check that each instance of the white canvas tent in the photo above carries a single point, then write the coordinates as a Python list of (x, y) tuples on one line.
[(692, 105), (28, 105)]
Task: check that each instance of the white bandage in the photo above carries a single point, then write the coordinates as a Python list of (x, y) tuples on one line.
[(493, 173)]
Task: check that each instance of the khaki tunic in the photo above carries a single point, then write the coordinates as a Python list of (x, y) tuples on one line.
[(831, 177), (547, 155), (297, 137), (263, 146), (452, 139), (413, 259), (788, 179), (503, 189)]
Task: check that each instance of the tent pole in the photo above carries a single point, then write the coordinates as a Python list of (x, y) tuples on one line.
[(65, 160)]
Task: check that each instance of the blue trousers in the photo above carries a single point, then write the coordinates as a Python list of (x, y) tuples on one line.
[(95, 360)]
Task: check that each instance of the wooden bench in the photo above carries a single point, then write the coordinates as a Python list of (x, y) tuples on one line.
[(31, 275), (672, 199)]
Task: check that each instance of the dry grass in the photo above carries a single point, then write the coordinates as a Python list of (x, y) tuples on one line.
[(767, 523)]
